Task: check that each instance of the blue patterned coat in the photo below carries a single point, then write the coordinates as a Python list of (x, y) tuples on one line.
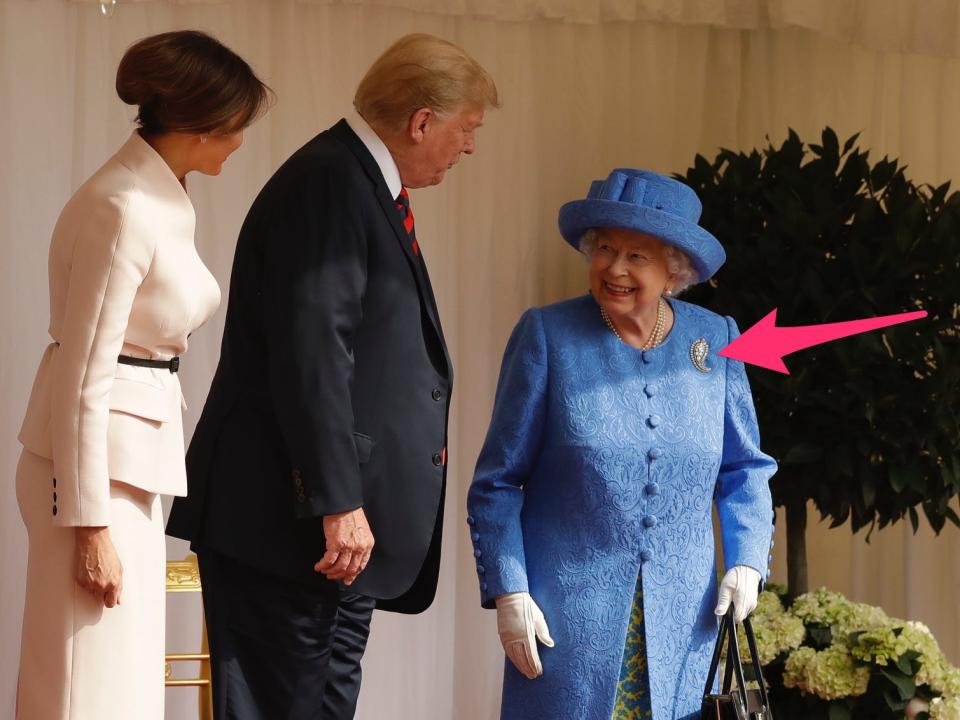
[(601, 463)]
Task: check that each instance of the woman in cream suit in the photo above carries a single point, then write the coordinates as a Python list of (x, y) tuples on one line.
[(102, 436)]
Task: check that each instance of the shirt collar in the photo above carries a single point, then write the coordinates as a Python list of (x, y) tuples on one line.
[(138, 156), (373, 143)]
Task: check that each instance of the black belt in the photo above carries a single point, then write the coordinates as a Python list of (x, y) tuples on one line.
[(173, 365)]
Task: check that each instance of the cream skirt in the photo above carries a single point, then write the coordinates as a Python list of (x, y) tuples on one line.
[(78, 659)]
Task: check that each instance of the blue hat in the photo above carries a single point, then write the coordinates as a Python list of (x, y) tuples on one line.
[(649, 203)]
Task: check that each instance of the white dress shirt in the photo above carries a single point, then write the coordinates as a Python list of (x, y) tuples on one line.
[(373, 143)]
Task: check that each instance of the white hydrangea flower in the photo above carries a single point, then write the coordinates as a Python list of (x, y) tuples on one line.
[(776, 631), (830, 674), (945, 708)]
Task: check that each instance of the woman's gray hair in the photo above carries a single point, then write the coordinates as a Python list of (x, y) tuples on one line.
[(678, 262)]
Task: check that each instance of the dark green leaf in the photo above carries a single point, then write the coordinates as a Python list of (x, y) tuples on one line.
[(850, 143), (820, 636), (803, 453), (839, 711), (904, 684)]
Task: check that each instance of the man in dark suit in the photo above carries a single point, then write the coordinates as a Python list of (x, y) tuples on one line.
[(326, 426)]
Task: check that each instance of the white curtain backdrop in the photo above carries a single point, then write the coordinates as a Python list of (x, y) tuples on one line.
[(586, 85)]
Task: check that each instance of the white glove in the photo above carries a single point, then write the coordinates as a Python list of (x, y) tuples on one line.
[(520, 624), (739, 586)]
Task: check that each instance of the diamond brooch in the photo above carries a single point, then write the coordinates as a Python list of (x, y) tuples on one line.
[(698, 354)]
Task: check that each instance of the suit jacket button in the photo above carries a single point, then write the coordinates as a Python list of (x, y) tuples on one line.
[(436, 394), (437, 459)]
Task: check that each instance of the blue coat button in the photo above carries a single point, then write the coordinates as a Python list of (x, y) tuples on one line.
[(653, 420), (470, 520), (477, 553), (474, 536), (652, 489), (483, 586), (646, 556), (650, 390), (655, 453), (481, 569), (647, 357), (649, 521)]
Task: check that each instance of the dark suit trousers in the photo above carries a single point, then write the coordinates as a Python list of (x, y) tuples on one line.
[(280, 649)]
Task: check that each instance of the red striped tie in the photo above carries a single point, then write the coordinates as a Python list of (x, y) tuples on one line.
[(403, 206)]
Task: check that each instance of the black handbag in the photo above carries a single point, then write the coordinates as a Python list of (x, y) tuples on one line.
[(739, 704)]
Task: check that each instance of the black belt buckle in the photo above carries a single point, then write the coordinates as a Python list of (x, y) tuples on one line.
[(175, 364)]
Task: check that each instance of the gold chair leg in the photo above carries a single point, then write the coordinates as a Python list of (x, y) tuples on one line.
[(184, 576), (206, 692)]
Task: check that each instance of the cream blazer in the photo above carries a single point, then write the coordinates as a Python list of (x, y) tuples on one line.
[(125, 278)]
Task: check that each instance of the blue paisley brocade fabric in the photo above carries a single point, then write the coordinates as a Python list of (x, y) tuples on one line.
[(601, 466)]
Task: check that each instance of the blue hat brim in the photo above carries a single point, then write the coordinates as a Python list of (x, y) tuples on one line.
[(704, 250)]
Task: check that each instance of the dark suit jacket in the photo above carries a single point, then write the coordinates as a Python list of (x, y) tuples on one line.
[(333, 388)]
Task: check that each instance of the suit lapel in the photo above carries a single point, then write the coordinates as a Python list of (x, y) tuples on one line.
[(388, 205)]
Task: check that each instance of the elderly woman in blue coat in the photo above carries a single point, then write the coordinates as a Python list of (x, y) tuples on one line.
[(616, 429)]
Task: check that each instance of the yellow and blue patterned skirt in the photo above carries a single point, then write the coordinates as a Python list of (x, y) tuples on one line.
[(633, 688)]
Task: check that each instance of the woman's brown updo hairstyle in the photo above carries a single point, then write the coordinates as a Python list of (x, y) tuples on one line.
[(186, 81)]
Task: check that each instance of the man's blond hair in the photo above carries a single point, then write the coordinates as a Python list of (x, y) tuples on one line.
[(422, 71)]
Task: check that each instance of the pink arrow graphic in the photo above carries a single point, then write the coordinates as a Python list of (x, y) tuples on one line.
[(765, 343)]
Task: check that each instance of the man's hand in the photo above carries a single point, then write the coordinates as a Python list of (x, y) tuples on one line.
[(99, 571), (349, 544)]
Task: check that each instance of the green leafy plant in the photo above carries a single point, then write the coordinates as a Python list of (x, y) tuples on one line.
[(827, 657), (867, 427)]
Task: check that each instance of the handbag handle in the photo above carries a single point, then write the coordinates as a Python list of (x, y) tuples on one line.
[(717, 651), (733, 658), (755, 659), (734, 663)]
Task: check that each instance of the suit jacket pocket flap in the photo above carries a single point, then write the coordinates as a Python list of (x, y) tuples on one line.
[(364, 445), (140, 399)]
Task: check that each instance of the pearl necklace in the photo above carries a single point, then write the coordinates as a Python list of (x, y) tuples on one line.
[(656, 336)]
